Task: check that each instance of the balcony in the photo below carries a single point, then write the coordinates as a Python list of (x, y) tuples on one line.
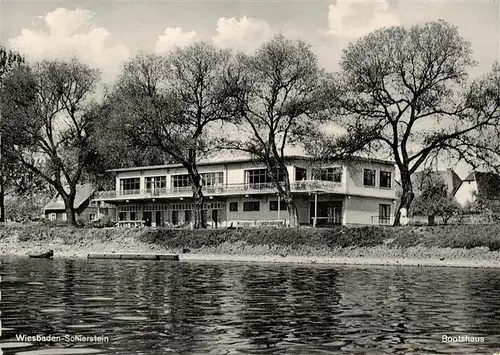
[(219, 190)]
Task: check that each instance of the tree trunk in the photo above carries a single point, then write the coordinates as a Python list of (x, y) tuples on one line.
[(69, 202), (406, 197), (2, 199), (292, 209), (199, 221)]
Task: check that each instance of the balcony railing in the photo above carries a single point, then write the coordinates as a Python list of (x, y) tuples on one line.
[(212, 190)]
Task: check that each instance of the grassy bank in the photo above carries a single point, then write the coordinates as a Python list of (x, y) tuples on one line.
[(470, 243)]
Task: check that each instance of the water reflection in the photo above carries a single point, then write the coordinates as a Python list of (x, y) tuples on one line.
[(192, 308)]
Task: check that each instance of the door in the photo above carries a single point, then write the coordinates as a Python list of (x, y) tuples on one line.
[(158, 219), (215, 218), (175, 217), (188, 215), (384, 214), (329, 212), (147, 216)]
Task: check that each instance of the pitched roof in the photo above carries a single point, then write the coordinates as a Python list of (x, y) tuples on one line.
[(83, 193), (488, 184)]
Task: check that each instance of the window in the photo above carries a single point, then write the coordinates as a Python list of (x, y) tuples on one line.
[(130, 185), (384, 214), (132, 216), (327, 174), (273, 205), (122, 216), (187, 215), (211, 179), (385, 179), (92, 217), (179, 181), (207, 179), (233, 206), (155, 183), (300, 174), (369, 177), (260, 176), (251, 206)]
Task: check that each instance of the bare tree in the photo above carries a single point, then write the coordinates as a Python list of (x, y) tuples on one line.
[(407, 88), (277, 92), (173, 103), (45, 123)]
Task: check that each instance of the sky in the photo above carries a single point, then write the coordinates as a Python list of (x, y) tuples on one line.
[(105, 34)]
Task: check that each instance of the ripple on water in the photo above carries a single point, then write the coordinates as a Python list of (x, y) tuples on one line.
[(52, 310), (60, 351), (97, 299), (14, 344), (82, 326), (130, 318)]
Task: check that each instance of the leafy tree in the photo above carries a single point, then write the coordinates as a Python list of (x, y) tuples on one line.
[(278, 97), (113, 148), (45, 122), (434, 199), (9, 60), (405, 88), (172, 105)]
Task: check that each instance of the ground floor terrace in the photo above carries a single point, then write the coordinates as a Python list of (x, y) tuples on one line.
[(258, 210)]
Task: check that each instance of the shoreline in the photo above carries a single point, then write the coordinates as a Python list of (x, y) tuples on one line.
[(370, 247), (374, 256)]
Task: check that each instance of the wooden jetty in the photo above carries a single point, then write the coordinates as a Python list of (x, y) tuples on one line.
[(172, 257)]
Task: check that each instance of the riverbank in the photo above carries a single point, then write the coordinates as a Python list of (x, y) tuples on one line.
[(457, 246)]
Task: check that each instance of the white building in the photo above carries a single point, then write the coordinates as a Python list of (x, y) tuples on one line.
[(239, 192)]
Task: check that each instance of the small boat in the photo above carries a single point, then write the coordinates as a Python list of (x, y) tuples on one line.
[(47, 255)]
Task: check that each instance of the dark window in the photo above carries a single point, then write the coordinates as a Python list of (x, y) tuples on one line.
[(261, 176), (300, 174), (385, 179), (369, 177), (251, 206), (132, 216), (155, 183), (233, 206), (180, 181), (122, 216), (327, 174), (130, 184), (273, 205), (187, 215), (384, 214)]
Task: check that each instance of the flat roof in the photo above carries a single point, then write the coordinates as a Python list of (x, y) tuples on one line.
[(248, 160)]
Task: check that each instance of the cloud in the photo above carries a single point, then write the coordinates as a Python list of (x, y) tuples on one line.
[(71, 34), (172, 38), (245, 34), (351, 19)]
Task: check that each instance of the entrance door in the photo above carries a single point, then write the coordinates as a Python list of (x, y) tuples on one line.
[(147, 216), (215, 218), (158, 219), (329, 213), (175, 217), (188, 215)]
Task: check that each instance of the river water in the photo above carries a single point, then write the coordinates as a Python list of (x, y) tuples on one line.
[(148, 307)]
